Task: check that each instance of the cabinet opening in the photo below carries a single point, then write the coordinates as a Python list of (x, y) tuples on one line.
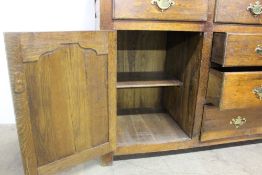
[(157, 80)]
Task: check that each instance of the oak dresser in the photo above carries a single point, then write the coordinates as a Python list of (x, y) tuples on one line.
[(157, 75)]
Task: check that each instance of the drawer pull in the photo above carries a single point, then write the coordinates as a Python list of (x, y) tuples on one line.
[(259, 50), (255, 9), (238, 121), (258, 92), (163, 4)]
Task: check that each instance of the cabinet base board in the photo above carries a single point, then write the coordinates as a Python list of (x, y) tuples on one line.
[(194, 143)]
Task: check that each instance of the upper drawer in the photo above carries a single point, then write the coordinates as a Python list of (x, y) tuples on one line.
[(181, 10), (231, 49), (237, 11), (235, 90)]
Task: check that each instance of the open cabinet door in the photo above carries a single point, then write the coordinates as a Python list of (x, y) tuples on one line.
[(64, 91)]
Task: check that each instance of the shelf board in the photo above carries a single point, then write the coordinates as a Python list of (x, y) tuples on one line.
[(148, 129), (148, 83)]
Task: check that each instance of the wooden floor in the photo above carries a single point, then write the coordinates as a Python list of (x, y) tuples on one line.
[(148, 129)]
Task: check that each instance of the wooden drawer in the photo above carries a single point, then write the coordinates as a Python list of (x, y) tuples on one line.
[(193, 10), (231, 123), (235, 11), (235, 90), (231, 49)]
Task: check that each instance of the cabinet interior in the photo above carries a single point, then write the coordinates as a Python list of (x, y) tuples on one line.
[(157, 80)]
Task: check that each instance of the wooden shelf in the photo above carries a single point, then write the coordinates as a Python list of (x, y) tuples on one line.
[(148, 83), (143, 129)]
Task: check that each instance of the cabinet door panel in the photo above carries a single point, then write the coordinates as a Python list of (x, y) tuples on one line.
[(68, 85)]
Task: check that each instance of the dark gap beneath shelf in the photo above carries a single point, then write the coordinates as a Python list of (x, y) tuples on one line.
[(141, 111), (142, 76)]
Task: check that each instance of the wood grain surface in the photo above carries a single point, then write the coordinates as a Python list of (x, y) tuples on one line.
[(62, 116), (233, 49), (140, 56), (183, 62), (20, 100), (216, 124), (235, 11), (145, 129), (234, 90), (194, 10)]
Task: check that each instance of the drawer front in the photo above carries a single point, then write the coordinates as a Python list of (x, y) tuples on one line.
[(235, 90), (232, 123), (238, 11), (181, 10), (231, 49)]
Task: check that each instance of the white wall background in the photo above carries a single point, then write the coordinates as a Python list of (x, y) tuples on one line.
[(38, 15)]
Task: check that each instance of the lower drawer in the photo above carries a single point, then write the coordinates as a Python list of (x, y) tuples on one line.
[(230, 123)]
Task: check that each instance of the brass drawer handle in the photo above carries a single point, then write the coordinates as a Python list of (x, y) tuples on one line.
[(258, 92), (259, 50), (238, 121), (255, 9), (163, 4)]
